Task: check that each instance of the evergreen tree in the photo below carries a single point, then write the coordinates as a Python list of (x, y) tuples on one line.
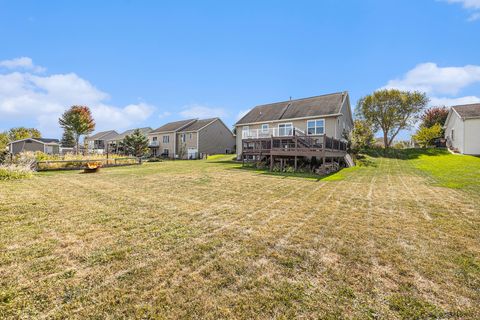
[(68, 140), (135, 144)]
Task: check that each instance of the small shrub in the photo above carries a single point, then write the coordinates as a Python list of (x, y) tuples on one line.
[(14, 172)]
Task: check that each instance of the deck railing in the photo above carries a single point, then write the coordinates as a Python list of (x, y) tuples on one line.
[(273, 132)]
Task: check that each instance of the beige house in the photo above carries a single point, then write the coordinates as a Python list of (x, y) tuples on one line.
[(462, 129), (304, 127), (191, 139), (49, 146)]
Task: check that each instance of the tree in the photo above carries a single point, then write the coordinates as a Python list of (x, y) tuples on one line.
[(425, 135), (135, 144), (362, 135), (78, 120), (4, 140), (68, 140), (20, 133), (391, 110), (435, 115)]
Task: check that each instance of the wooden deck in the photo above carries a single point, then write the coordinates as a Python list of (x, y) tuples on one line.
[(294, 146)]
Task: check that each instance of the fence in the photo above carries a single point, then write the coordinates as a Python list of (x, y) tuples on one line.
[(49, 165)]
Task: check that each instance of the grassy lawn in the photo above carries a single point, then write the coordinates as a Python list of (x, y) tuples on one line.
[(207, 239)]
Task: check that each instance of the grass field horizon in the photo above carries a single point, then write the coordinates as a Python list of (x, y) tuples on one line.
[(398, 239)]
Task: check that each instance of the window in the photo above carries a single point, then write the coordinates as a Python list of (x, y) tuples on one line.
[(190, 136), (285, 129), (182, 137), (165, 152), (265, 127), (452, 134), (154, 139), (316, 126), (166, 139), (245, 131)]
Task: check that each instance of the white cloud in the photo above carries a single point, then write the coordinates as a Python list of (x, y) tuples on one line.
[(199, 111), (442, 84), (432, 79), (25, 63), (242, 113), (471, 5), (434, 101), (27, 97)]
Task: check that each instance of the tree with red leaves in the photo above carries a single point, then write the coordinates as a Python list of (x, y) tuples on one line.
[(433, 116), (79, 121)]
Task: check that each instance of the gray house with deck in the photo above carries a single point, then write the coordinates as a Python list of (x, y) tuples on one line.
[(294, 130)]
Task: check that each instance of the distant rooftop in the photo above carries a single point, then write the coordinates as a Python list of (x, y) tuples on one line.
[(467, 111)]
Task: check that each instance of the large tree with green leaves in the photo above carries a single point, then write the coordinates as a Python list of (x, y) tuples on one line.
[(391, 111), (135, 144), (79, 121), (20, 133)]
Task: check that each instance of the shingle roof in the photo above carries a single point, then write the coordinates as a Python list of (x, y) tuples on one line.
[(468, 110), (47, 140), (328, 104), (104, 135), (173, 126), (122, 135), (197, 125)]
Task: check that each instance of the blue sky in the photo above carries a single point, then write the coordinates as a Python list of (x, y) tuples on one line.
[(143, 63)]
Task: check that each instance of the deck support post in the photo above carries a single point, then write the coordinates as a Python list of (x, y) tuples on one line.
[(271, 162), (295, 163)]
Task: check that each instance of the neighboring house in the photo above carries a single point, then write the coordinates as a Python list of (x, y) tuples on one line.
[(462, 129), (191, 139), (98, 142), (114, 145), (50, 146), (309, 127)]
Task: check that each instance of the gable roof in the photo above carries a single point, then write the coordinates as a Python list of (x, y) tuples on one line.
[(173, 126), (103, 135), (122, 135), (468, 111), (198, 124), (324, 105)]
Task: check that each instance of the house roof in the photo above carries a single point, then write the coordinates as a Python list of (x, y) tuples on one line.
[(122, 135), (468, 111), (198, 124), (324, 105), (103, 135), (173, 126), (41, 140)]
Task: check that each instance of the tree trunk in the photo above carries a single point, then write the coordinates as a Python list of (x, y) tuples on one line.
[(77, 137), (385, 139)]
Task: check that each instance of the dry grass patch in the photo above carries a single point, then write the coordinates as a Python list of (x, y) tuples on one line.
[(199, 239)]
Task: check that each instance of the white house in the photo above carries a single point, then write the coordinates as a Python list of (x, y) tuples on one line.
[(462, 129)]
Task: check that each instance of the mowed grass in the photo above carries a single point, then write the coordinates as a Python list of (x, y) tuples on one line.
[(206, 239)]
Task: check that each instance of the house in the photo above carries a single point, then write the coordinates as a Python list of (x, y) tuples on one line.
[(114, 144), (191, 139), (50, 146), (296, 129), (462, 129), (98, 142)]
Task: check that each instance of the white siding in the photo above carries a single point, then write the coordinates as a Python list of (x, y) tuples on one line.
[(455, 123), (472, 136)]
